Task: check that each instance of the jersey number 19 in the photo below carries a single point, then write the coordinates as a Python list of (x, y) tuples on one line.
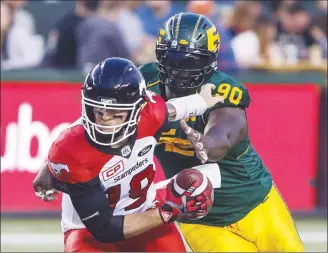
[(137, 190)]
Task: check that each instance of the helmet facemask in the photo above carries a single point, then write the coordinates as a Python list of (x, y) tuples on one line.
[(184, 72), (117, 133)]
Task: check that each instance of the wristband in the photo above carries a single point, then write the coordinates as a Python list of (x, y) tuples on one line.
[(188, 106)]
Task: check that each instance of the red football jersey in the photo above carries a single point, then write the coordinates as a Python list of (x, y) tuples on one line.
[(128, 177)]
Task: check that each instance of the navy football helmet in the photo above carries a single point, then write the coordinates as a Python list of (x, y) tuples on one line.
[(114, 84)]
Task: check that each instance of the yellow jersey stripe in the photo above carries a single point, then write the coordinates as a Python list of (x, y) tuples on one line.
[(152, 84), (243, 152)]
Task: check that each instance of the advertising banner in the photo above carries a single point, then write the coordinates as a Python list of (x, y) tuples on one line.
[(32, 115), (283, 125)]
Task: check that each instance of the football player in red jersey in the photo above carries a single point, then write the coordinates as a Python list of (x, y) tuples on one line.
[(110, 152)]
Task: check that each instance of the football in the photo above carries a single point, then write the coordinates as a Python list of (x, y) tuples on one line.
[(193, 181), (196, 187)]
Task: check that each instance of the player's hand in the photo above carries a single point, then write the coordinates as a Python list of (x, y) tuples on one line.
[(181, 205), (173, 205), (198, 206), (43, 187), (198, 141), (46, 195), (206, 93)]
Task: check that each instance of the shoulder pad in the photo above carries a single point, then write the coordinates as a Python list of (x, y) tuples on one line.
[(62, 163), (234, 93), (154, 112), (148, 71)]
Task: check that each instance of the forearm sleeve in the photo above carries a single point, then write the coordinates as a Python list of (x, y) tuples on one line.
[(91, 203)]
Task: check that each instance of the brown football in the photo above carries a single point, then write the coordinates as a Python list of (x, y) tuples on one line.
[(193, 181)]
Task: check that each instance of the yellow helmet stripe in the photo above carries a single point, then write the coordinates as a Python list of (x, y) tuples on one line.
[(177, 27), (196, 27)]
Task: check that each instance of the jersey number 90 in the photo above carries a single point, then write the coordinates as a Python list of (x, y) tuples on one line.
[(234, 94)]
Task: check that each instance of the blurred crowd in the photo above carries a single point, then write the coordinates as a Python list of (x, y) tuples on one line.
[(253, 33)]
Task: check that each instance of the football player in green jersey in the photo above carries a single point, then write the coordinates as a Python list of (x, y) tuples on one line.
[(248, 212)]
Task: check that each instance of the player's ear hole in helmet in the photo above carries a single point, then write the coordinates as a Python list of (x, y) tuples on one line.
[(186, 52), (112, 87)]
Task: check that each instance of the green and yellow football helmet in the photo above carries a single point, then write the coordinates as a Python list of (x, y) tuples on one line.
[(186, 51)]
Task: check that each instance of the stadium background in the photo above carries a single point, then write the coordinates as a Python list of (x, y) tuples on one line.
[(287, 117)]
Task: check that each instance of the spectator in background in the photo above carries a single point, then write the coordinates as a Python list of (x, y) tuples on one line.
[(99, 37), (154, 13), (243, 17), (62, 42), (293, 34), (320, 20), (20, 48), (5, 23), (278, 4), (319, 27), (22, 19), (226, 58), (141, 46), (206, 8), (257, 46)]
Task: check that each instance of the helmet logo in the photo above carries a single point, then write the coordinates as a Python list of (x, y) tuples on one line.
[(107, 100), (213, 39)]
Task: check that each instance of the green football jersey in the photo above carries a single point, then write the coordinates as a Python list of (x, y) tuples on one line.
[(245, 181)]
